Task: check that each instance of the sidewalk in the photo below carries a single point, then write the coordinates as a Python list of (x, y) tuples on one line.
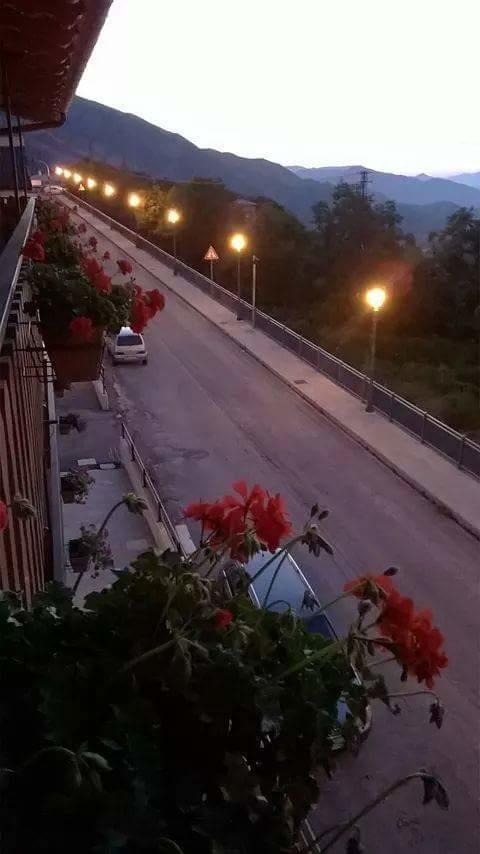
[(454, 491), (97, 450)]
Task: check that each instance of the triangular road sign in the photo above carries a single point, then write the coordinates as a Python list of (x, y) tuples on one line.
[(211, 255)]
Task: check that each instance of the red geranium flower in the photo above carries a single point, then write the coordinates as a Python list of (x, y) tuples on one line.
[(91, 267), (102, 282), (359, 586), (81, 327), (33, 250), (156, 301), (38, 237), (55, 224), (106, 256), (222, 618), (3, 516), (140, 315), (124, 266), (249, 520), (82, 228)]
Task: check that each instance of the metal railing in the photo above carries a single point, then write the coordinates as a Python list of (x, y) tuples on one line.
[(456, 447), (148, 484)]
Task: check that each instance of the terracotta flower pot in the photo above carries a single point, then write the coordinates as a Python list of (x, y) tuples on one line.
[(74, 360), (78, 560)]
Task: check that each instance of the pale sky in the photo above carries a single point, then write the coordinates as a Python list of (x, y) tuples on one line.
[(389, 84)]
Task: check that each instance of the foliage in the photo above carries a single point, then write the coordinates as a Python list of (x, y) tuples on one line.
[(77, 481), (72, 292), (168, 716)]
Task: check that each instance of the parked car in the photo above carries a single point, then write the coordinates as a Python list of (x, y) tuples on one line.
[(283, 586), (127, 346)]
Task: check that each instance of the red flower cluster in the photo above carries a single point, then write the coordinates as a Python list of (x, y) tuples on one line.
[(97, 275), (417, 643), (33, 250), (38, 237), (106, 256), (145, 306), (124, 266), (81, 327), (244, 522), (222, 618), (3, 516)]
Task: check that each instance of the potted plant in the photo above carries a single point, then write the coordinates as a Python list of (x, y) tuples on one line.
[(69, 422), (90, 546), (75, 485), (76, 300)]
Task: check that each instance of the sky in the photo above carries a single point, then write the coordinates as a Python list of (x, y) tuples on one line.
[(392, 85)]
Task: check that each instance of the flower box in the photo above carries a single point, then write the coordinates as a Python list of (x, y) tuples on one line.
[(74, 360)]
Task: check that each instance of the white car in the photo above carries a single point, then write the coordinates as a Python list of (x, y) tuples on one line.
[(127, 346)]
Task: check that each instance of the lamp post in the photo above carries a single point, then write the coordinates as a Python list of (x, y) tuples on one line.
[(134, 200), (375, 298), (109, 190), (173, 216), (255, 261), (238, 242), (91, 183)]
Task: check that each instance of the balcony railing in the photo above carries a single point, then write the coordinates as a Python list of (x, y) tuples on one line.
[(27, 546)]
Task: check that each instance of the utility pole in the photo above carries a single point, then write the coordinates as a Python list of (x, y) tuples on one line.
[(255, 261), (364, 182)]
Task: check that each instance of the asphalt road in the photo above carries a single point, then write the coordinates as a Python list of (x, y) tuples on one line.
[(204, 413)]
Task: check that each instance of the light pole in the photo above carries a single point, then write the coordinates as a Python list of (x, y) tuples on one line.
[(238, 242), (255, 261), (173, 217), (375, 298)]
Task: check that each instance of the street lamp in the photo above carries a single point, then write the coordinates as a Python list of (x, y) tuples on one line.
[(77, 178), (58, 170), (238, 242), (375, 298), (109, 190), (173, 216), (134, 200), (67, 174), (91, 183)]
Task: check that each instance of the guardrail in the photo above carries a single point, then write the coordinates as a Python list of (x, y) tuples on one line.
[(456, 447), (147, 482)]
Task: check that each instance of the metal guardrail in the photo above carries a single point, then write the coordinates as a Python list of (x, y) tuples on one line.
[(456, 447), (11, 264), (147, 483)]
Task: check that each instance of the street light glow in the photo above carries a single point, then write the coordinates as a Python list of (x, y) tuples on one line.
[(91, 183), (238, 242), (67, 173), (134, 200), (58, 170), (375, 298), (109, 190), (77, 178), (173, 216)]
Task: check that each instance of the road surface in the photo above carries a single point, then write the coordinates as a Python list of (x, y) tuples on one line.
[(204, 414)]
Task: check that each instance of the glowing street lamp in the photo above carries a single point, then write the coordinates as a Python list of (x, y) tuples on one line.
[(109, 190), (375, 299), (77, 178), (91, 183), (134, 200), (238, 242), (67, 174), (58, 170), (173, 217)]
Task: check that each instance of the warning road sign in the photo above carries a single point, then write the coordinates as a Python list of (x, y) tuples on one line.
[(211, 255)]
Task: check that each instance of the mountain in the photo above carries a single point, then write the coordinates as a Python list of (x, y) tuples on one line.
[(420, 220), (472, 179), (121, 139), (420, 190)]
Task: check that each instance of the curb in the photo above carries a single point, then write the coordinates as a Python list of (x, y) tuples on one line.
[(158, 531), (441, 505)]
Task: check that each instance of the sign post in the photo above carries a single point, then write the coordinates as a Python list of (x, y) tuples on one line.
[(211, 256)]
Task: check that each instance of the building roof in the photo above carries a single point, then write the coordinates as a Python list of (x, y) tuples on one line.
[(46, 45)]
